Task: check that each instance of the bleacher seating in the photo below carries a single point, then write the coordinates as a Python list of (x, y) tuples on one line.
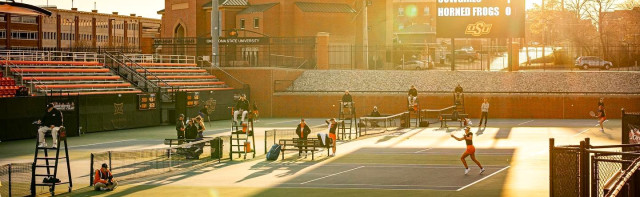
[(70, 77), (182, 77), (8, 86)]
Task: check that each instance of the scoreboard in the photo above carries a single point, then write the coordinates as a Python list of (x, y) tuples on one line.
[(480, 18)]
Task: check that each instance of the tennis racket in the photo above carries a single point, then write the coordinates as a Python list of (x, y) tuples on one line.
[(592, 114)]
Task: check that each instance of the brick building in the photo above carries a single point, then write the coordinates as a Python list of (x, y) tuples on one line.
[(75, 29)]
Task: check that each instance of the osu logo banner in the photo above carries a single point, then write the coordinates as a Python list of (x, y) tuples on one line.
[(477, 29)]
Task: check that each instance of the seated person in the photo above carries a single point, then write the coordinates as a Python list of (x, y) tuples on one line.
[(191, 132), (374, 113), (413, 95), (242, 106), (103, 179), (347, 102)]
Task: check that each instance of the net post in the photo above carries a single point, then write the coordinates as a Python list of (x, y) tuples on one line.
[(551, 167), (170, 160), (91, 171), (33, 179)]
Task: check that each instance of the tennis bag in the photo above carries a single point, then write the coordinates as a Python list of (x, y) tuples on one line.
[(424, 123), (274, 152)]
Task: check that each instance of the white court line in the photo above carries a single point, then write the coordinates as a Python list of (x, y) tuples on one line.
[(332, 175), (525, 122), (580, 132), (281, 122), (102, 143), (483, 178), (426, 149)]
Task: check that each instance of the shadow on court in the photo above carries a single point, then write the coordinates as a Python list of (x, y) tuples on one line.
[(418, 169)]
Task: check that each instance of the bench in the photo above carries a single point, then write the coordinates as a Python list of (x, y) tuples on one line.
[(201, 89), (164, 64), (451, 117), (191, 83), (183, 77), (312, 144), (172, 70)]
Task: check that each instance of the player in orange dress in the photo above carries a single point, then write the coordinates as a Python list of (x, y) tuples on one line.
[(471, 150)]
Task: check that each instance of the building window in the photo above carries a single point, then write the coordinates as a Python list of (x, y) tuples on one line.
[(241, 23), (24, 19), (426, 11), (256, 23), (24, 35), (3, 34), (400, 11)]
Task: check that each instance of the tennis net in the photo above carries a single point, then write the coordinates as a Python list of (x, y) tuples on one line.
[(16, 179), (132, 164), (376, 125)]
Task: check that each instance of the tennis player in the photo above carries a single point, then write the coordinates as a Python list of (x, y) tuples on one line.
[(471, 150), (602, 117)]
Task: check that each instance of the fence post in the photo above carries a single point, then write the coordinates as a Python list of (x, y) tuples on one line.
[(91, 171), (10, 180), (265, 142), (594, 174), (33, 179), (551, 167), (110, 167), (584, 172)]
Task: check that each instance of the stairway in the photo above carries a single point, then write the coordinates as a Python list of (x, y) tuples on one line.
[(50, 163)]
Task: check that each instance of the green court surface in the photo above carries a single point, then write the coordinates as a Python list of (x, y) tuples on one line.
[(409, 162)]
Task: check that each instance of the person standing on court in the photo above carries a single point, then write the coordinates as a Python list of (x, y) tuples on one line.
[(180, 126), (303, 132), (471, 150), (51, 121), (332, 134), (484, 109)]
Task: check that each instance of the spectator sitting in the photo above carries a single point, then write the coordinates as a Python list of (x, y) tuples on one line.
[(413, 95), (347, 101), (103, 179), (375, 113), (242, 107), (191, 132), (51, 121)]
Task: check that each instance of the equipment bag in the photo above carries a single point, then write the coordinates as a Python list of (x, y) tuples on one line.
[(247, 147), (424, 123), (274, 152)]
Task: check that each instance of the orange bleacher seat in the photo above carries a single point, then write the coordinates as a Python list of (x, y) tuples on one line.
[(71, 78), (62, 70), (85, 85), (202, 89), (184, 77), (191, 83), (20, 62), (99, 92), (165, 65), (174, 70)]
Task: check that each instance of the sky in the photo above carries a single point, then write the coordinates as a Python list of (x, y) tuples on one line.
[(145, 8)]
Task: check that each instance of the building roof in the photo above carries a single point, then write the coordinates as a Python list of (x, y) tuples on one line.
[(325, 7), (161, 11), (227, 3), (258, 8), (22, 9)]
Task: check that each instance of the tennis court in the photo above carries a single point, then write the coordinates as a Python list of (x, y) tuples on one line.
[(416, 161)]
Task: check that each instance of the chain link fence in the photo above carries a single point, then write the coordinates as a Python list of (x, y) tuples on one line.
[(15, 179)]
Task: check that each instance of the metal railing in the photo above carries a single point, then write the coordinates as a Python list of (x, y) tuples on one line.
[(8, 65), (27, 55), (158, 58), (128, 73)]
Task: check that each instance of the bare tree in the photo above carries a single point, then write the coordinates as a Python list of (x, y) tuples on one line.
[(629, 4), (596, 12), (578, 6)]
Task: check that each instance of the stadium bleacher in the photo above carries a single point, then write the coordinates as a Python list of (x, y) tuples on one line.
[(183, 74), (69, 77)]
